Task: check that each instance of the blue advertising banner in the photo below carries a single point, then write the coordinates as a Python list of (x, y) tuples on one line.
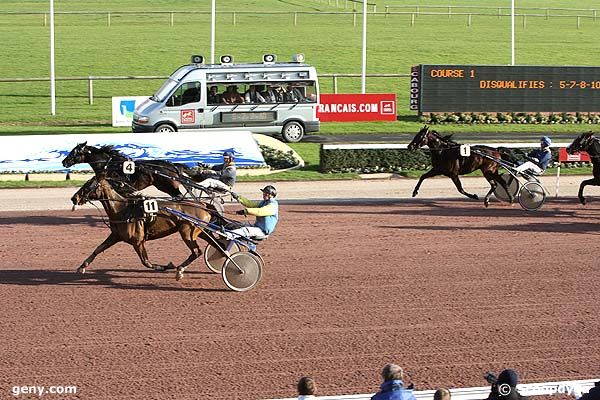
[(44, 153)]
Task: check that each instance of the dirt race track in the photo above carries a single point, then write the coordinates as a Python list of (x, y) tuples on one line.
[(445, 288)]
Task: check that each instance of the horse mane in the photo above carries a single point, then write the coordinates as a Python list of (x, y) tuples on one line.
[(446, 139), (108, 150), (123, 189)]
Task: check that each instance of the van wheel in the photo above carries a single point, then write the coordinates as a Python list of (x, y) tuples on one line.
[(292, 132), (166, 128)]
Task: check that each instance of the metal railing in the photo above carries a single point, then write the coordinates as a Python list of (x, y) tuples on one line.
[(498, 10), (450, 12), (91, 79)]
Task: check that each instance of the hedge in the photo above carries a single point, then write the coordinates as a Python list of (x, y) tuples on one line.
[(390, 160)]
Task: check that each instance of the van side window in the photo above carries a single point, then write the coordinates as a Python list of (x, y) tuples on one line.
[(187, 93)]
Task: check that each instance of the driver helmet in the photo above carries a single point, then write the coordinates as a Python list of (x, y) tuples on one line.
[(270, 190), (546, 141), (228, 154)]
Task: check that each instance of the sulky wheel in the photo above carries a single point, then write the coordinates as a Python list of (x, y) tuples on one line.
[(513, 188), (532, 196), (215, 259), (243, 276)]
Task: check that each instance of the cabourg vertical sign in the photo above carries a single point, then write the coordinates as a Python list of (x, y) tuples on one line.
[(414, 87)]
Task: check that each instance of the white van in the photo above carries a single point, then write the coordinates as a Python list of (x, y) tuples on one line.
[(268, 97)]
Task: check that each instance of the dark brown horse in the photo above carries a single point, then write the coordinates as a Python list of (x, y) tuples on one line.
[(160, 173), (447, 160), (129, 224), (589, 143)]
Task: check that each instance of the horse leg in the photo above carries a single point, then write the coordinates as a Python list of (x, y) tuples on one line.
[(459, 187), (188, 237), (140, 249), (428, 174), (492, 181), (108, 242), (593, 182)]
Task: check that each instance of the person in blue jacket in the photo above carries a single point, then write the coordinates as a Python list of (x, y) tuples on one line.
[(538, 158), (266, 212), (393, 387)]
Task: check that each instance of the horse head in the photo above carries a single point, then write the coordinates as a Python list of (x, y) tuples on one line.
[(581, 142), (420, 139), (76, 156), (86, 193), (101, 188)]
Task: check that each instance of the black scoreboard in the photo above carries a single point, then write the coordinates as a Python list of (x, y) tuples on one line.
[(501, 88)]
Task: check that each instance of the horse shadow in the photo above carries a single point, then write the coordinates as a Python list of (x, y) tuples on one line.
[(585, 228), (109, 278), (89, 220)]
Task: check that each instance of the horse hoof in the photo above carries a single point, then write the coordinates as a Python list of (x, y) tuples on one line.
[(179, 274), (415, 194), (486, 204), (81, 270), (159, 268)]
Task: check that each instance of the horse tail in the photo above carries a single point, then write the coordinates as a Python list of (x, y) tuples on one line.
[(507, 154)]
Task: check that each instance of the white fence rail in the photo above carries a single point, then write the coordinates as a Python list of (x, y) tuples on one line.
[(450, 11), (91, 79), (482, 392)]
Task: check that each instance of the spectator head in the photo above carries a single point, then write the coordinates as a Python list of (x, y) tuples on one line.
[(306, 386), (441, 394), (508, 377), (391, 372), (214, 89)]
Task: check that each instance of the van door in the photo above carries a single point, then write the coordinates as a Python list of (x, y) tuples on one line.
[(184, 107)]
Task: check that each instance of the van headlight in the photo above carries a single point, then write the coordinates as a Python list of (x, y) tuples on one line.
[(140, 118)]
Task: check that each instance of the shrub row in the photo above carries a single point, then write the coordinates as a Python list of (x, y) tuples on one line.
[(510, 118), (391, 160)]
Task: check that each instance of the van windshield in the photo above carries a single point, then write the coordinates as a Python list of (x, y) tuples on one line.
[(166, 88)]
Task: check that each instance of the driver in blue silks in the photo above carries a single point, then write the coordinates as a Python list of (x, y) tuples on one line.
[(538, 158)]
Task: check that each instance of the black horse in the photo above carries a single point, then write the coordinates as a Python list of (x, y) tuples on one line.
[(589, 143), (447, 160), (105, 159)]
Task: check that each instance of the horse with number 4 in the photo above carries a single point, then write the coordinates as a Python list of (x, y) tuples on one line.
[(164, 175), (590, 144)]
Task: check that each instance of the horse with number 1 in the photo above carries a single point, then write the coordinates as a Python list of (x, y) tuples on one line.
[(446, 159)]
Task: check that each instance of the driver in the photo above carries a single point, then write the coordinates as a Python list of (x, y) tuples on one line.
[(266, 212), (538, 158), (220, 176)]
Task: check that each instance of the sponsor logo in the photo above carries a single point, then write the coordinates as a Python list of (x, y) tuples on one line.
[(188, 117), (387, 107), (127, 107)]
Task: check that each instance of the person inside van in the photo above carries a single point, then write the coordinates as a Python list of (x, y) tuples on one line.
[(252, 95), (190, 95), (213, 95), (231, 96), (292, 95), (271, 95)]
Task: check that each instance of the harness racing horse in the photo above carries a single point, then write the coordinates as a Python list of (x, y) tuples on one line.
[(446, 160), (129, 224), (589, 143), (107, 160)]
